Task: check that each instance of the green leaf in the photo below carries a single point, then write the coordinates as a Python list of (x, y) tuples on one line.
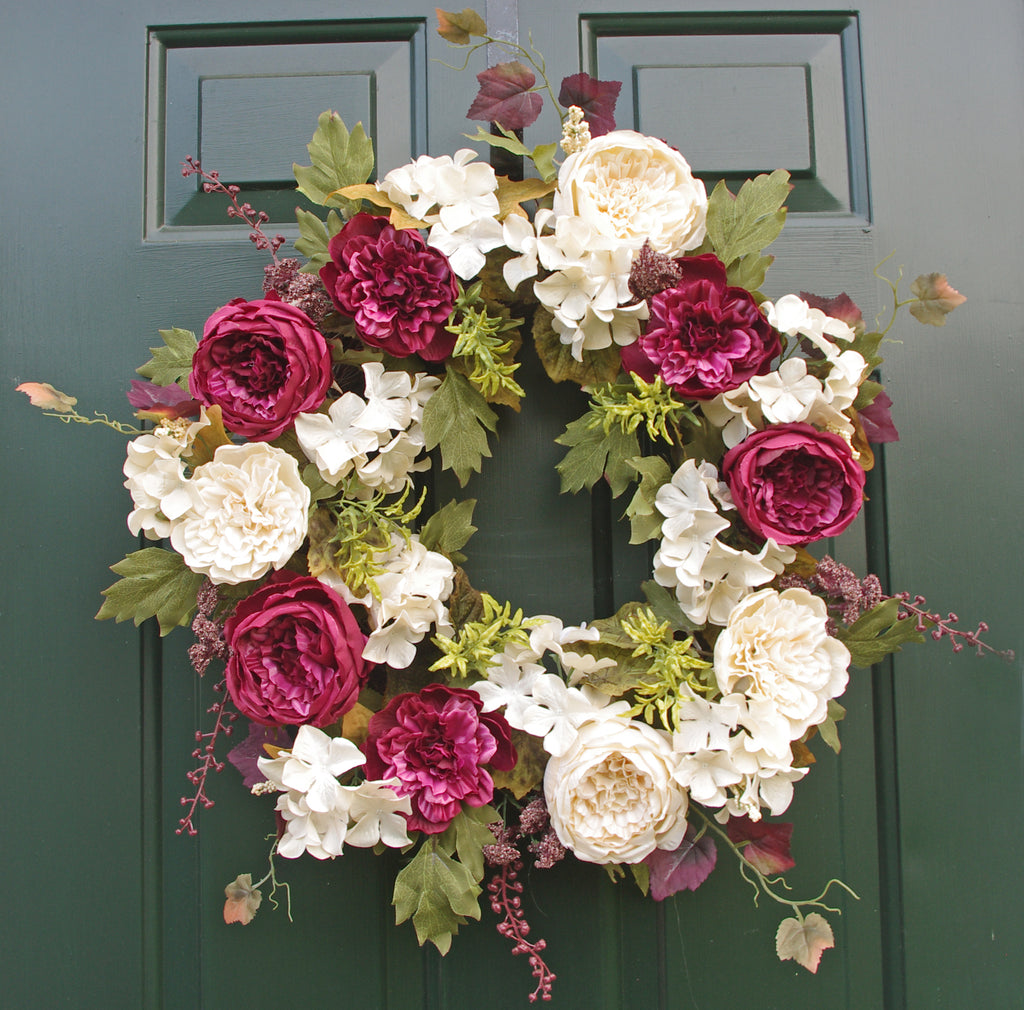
[(438, 893), (866, 345), (749, 271), (544, 158), (665, 606), (339, 159), (171, 363), (154, 583), (507, 141), (314, 237), (454, 419), (467, 835), (879, 632), (644, 517), (595, 368), (594, 454), (869, 389), (746, 223), (642, 876), (449, 529), (829, 730)]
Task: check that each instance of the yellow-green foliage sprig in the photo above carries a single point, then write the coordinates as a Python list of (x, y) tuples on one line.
[(478, 644), (479, 343), (676, 672), (649, 403)]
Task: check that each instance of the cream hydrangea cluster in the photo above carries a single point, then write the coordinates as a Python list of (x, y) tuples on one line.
[(320, 814), (789, 393), (379, 437), (457, 197), (708, 576)]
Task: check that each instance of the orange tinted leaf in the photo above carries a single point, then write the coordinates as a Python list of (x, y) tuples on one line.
[(241, 900), (457, 28), (804, 942), (936, 299), (42, 394)]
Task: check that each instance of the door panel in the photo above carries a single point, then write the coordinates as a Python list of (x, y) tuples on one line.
[(107, 243)]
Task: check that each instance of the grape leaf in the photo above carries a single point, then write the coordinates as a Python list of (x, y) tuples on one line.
[(804, 941), (241, 900), (746, 223), (449, 529), (457, 28), (767, 848), (171, 363), (438, 893), (594, 454), (686, 868), (936, 298), (339, 158), (154, 583), (454, 418), (505, 96), (596, 98)]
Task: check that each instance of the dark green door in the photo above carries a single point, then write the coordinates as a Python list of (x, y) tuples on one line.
[(901, 124)]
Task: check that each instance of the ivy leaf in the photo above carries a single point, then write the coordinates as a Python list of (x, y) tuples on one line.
[(879, 632), (804, 942), (154, 583), (449, 529), (45, 396), (746, 223), (458, 28), (314, 236), (454, 419), (594, 454), (467, 835), (339, 159), (936, 298), (767, 845), (595, 368), (596, 98), (171, 363), (684, 869), (505, 96), (241, 900), (438, 893)]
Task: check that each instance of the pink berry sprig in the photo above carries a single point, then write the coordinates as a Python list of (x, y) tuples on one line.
[(208, 762), (505, 891), (254, 219), (942, 627)]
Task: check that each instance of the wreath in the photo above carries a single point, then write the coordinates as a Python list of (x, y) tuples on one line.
[(390, 703)]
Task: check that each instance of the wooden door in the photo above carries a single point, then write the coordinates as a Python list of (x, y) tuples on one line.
[(901, 123)]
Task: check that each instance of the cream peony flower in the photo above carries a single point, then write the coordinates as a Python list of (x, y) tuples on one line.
[(629, 188), (775, 647), (247, 513), (612, 797)]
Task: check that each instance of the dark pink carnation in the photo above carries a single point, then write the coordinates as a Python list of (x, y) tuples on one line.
[(436, 742), (703, 337), (262, 362), (398, 290), (296, 653), (794, 483)]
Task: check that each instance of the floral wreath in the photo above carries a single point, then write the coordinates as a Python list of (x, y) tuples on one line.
[(390, 703)]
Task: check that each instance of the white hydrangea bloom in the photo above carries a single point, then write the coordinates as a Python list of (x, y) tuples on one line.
[(558, 711), (247, 513)]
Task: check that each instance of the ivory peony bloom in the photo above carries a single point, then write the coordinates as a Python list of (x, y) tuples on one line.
[(629, 188), (776, 648), (612, 797), (247, 514)]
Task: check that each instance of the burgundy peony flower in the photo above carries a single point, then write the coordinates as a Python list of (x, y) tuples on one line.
[(794, 483), (436, 743), (399, 291), (703, 337), (296, 653), (262, 362)]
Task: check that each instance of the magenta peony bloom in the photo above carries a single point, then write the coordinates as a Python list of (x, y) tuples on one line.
[(398, 290), (436, 743), (262, 362), (703, 337), (794, 483), (296, 653)]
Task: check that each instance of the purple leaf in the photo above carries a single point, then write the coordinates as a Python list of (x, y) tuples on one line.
[(685, 869), (876, 420), (596, 98), (162, 401), (243, 755), (767, 848), (505, 96), (841, 307)]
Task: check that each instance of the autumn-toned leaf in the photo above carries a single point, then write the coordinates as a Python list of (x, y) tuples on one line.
[(767, 845), (505, 96), (42, 394), (511, 193), (459, 28), (684, 869), (242, 900), (208, 439), (596, 98), (804, 941), (161, 402), (936, 299), (245, 754), (397, 218), (841, 307), (528, 772), (876, 420), (595, 367)]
